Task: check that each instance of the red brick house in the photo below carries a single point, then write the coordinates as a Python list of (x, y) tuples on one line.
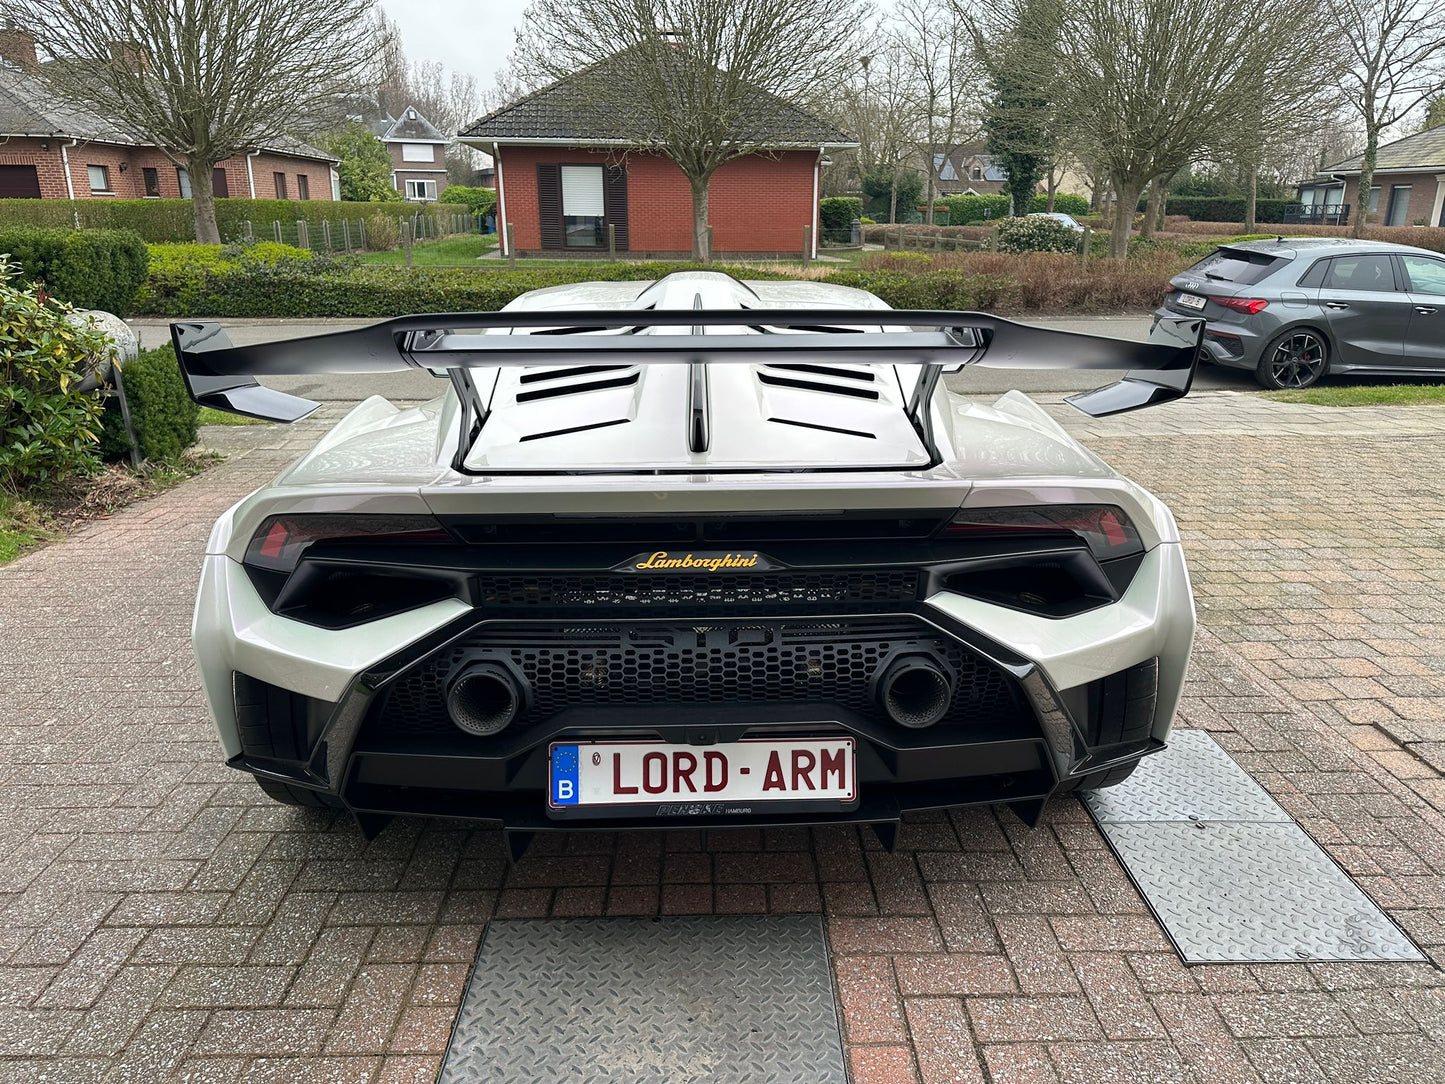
[(564, 174), (418, 155), (1409, 184), (52, 150)]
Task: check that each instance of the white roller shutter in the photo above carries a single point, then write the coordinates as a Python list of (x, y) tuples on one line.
[(582, 191)]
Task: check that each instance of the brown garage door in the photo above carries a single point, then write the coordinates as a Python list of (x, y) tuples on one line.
[(19, 182)]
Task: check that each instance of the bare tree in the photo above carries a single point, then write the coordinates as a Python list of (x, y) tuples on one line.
[(691, 76), (1155, 82), (205, 79), (1395, 51), (878, 107), (936, 47)]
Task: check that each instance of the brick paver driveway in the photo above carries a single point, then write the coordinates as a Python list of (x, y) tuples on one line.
[(159, 918)]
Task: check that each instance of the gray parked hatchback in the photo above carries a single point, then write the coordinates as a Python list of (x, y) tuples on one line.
[(1297, 308)]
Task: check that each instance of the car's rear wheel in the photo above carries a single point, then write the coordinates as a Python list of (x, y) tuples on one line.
[(299, 796), (1294, 359)]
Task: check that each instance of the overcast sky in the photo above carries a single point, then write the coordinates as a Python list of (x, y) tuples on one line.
[(470, 36)]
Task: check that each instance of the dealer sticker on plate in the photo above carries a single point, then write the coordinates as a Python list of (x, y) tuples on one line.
[(690, 779)]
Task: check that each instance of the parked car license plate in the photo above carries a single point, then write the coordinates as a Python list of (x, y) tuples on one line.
[(727, 778), (1191, 301)]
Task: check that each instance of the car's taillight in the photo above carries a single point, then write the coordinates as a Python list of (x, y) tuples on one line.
[(281, 540), (1105, 528), (1250, 305)]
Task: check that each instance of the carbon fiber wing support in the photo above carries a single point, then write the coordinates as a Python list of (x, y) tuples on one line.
[(223, 375)]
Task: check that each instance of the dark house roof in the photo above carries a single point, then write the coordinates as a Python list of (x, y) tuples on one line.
[(582, 109), (1424, 151), (29, 107), (412, 127)]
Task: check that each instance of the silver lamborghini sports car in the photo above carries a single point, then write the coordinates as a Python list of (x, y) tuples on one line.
[(696, 551)]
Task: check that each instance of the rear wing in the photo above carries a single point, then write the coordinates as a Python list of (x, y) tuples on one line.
[(222, 375)]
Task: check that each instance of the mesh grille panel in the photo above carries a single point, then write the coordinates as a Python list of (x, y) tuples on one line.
[(724, 663), (701, 593)]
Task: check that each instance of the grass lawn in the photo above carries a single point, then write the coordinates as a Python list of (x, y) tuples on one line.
[(1363, 395), (458, 251), (23, 526), (212, 416)]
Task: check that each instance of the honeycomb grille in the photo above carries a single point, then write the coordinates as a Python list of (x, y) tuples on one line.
[(725, 663), (707, 593)]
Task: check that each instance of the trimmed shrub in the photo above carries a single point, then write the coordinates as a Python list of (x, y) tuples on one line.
[(1036, 235), (177, 272), (963, 210), (1064, 203), (479, 201), (1226, 208), (90, 269), (170, 219), (836, 213), (48, 427), (163, 415)]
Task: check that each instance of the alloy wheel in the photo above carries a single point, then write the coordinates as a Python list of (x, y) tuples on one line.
[(1298, 360)]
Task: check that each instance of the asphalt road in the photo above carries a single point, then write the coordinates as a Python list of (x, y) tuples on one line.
[(415, 385)]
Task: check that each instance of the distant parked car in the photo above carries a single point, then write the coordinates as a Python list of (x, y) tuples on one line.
[(1298, 308), (1059, 216)]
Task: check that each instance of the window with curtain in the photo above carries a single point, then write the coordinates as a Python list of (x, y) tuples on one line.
[(582, 212), (99, 178)]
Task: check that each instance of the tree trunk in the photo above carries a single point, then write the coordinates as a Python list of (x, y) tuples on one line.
[(893, 200), (203, 201), (701, 246), (1152, 208), (928, 214), (1163, 203), (1249, 198), (1128, 190), (1053, 191), (1367, 176)]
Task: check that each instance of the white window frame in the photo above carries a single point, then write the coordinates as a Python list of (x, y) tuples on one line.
[(421, 191), (104, 177), (418, 152)]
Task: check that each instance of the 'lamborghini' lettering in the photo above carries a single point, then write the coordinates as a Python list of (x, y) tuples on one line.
[(710, 562)]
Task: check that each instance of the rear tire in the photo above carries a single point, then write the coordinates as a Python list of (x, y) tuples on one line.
[(286, 794), (1297, 358), (1099, 780)]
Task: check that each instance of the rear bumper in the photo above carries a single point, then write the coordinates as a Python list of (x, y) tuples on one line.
[(1059, 678), (1233, 346)]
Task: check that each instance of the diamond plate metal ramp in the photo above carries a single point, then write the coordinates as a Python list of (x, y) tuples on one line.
[(717, 999), (1229, 875)]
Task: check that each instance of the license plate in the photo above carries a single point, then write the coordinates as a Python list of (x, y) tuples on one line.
[(1190, 301), (683, 780)]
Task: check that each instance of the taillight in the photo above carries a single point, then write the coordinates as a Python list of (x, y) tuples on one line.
[(1105, 528), (1250, 305), (281, 540)]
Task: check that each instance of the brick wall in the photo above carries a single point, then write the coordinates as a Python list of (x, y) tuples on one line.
[(129, 182), (755, 204), (1423, 188), (48, 169)]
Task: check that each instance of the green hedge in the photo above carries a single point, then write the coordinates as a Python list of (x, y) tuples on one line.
[(838, 212), (479, 201), (1064, 203), (963, 210), (162, 414), (1226, 208), (322, 288), (91, 269), (170, 219)]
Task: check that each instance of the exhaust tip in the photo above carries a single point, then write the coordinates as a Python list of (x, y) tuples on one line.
[(484, 699), (915, 692)]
